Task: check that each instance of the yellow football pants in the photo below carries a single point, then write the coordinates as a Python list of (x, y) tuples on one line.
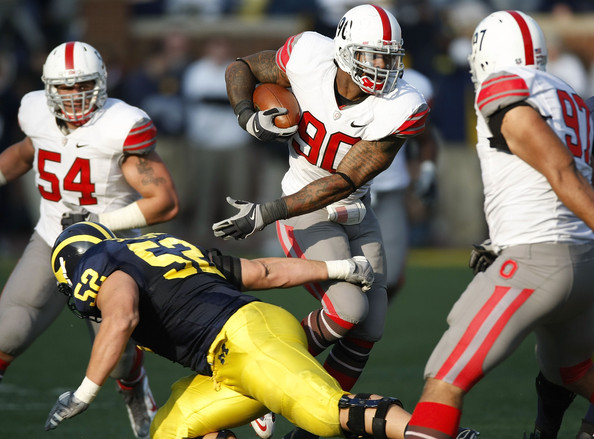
[(260, 363)]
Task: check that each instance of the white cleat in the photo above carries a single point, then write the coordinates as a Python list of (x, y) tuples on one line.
[(140, 405), (264, 426)]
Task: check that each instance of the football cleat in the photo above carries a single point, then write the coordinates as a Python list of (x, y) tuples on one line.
[(140, 405), (467, 433), (264, 425)]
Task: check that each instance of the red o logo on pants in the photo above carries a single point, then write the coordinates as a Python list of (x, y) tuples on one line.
[(508, 269)]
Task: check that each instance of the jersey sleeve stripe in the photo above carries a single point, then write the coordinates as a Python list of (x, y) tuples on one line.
[(142, 137), (414, 125), (502, 87), (284, 53)]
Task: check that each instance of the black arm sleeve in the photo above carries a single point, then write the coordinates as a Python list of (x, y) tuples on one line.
[(230, 266), (498, 141)]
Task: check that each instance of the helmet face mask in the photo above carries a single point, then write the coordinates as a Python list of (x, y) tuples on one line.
[(506, 39), (69, 248), (75, 81), (368, 46)]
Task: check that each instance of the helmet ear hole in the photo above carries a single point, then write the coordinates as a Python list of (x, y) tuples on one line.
[(72, 244)]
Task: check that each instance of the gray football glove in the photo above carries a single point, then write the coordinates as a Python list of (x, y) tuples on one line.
[(361, 272), (241, 225), (356, 270), (66, 407), (261, 125), (481, 256)]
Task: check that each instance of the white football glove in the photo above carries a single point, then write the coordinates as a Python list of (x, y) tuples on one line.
[(261, 125), (66, 407), (356, 270)]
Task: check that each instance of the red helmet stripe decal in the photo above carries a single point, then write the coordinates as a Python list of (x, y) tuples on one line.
[(526, 37), (385, 23), (69, 56)]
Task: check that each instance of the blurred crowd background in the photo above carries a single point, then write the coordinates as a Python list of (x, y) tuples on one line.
[(168, 57)]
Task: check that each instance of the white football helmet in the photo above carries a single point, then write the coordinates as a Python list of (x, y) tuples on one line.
[(504, 39), (368, 46), (68, 64)]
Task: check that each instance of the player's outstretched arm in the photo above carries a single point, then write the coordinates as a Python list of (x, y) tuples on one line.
[(267, 273)]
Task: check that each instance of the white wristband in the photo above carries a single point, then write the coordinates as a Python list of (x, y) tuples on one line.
[(87, 391), (129, 217), (3, 180), (338, 269)]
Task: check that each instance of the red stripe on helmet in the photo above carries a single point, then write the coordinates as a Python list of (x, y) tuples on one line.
[(69, 56), (387, 28), (526, 37)]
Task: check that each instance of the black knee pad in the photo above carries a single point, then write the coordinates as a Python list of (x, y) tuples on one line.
[(356, 420), (553, 394)]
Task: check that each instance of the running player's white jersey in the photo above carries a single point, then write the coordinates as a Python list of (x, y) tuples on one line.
[(326, 131), (83, 167), (520, 205), (397, 175)]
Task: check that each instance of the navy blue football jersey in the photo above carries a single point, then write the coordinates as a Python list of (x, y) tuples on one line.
[(184, 298)]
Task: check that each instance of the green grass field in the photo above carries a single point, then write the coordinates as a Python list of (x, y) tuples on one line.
[(502, 406)]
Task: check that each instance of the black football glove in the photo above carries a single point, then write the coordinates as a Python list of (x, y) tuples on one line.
[(67, 406), (251, 218), (69, 218), (261, 125), (481, 256), (241, 225)]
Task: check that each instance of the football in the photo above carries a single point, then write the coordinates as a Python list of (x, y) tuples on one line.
[(267, 96)]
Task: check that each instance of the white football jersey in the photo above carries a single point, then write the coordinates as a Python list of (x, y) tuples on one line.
[(397, 176), (83, 167), (326, 131), (520, 205)]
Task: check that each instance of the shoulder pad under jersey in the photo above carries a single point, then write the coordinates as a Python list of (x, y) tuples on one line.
[(500, 90), (142, 138)]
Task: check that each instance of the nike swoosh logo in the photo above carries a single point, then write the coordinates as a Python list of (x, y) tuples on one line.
[(78, 145), (354, 125), (256, 129), (260, 426), (253, 215)]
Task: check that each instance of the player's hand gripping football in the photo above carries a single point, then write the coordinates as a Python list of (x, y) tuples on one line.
[(241, 225), (261, 125), (481, 256), (67, 406)]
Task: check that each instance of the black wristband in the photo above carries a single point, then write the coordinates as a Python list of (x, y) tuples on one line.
[(348, 180), (244, 111), (274, 210)]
